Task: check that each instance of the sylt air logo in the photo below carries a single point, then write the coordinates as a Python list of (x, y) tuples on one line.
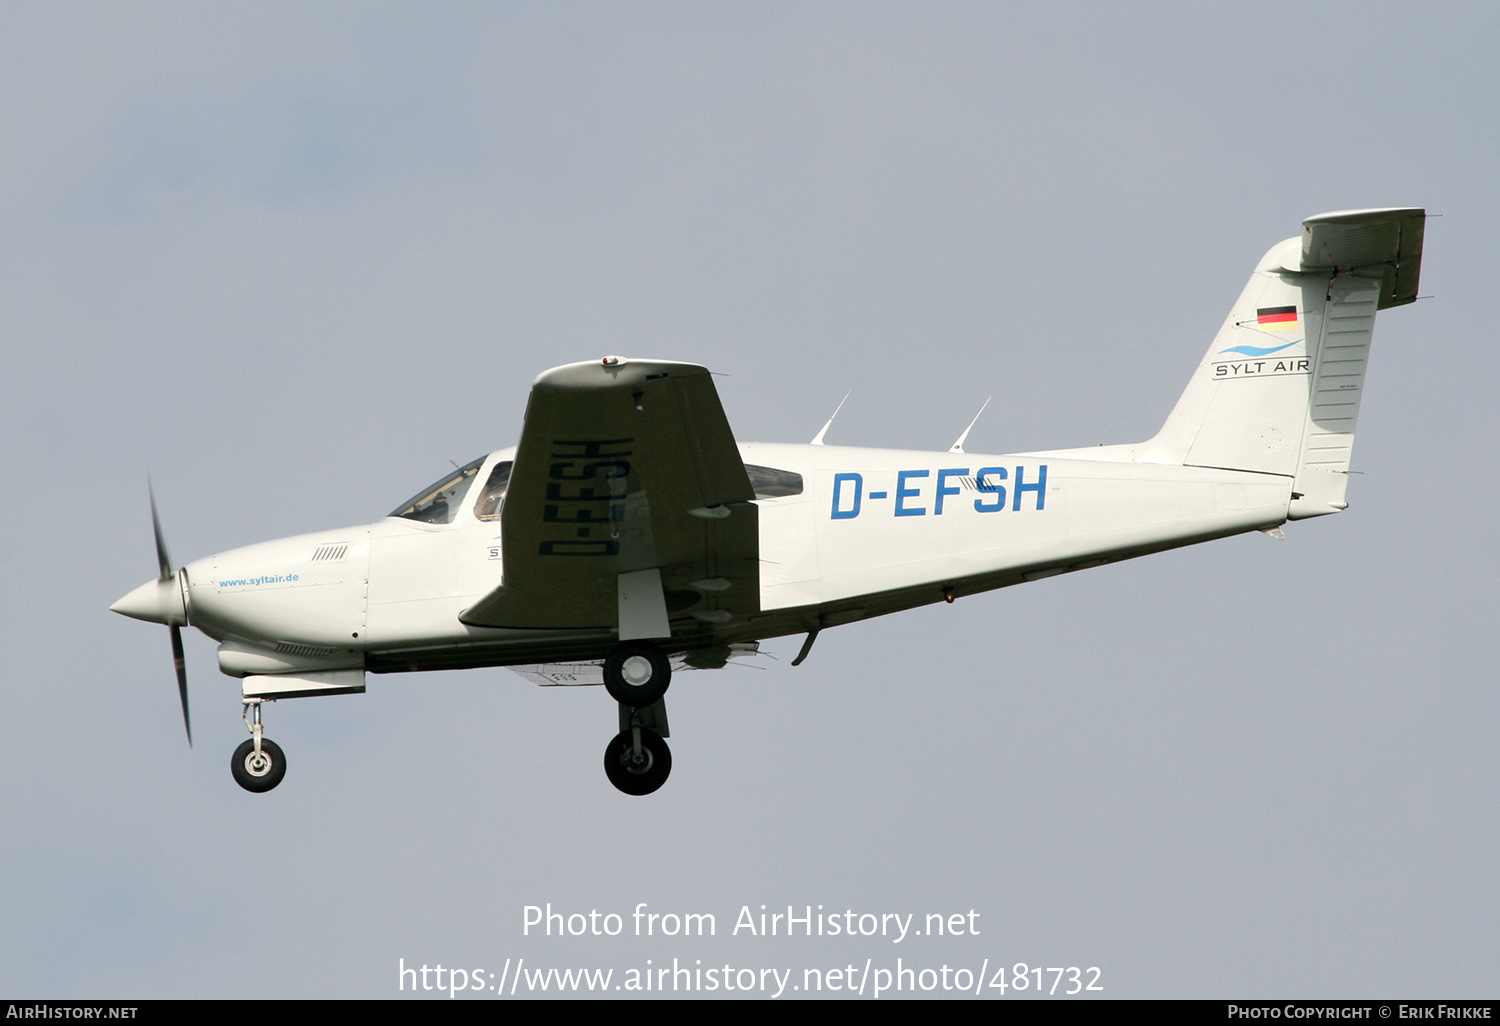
[(1278, 319)]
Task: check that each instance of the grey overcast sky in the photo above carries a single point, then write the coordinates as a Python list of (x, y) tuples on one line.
[(291, 258)]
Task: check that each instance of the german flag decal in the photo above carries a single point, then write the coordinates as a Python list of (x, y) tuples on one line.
[(1276, 318)]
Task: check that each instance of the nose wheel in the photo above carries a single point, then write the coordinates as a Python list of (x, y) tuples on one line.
[(258, 770), (258, 765)]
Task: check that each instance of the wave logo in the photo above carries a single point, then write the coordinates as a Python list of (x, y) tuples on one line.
[(1258, 350)]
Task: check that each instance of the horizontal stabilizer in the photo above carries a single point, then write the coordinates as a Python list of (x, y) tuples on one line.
[(1351, 240)]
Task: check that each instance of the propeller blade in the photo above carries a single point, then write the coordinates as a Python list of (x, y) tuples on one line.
[(163, 561), (181, 665)]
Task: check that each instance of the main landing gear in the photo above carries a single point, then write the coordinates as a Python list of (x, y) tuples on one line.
[(637, 673), (637, 760), (258, 764)]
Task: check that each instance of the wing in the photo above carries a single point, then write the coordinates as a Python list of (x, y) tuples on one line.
[(628, 505)]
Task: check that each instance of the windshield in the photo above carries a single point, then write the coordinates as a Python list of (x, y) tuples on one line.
[(438, 503)]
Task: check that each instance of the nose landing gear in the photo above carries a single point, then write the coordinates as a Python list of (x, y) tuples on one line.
[(258, 765)]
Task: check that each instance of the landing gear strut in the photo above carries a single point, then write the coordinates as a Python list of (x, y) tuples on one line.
[(637, 759), (258, 764)]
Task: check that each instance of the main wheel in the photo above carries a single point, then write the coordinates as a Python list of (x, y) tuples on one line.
[(637, 673), (637, 774), (258, 773)]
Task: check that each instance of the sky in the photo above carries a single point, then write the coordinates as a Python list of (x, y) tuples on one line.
[(291, 259)]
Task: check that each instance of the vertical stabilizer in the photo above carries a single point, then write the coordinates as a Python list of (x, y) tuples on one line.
[(1278, 390), (1245, 405)]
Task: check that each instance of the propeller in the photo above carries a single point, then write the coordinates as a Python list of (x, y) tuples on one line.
[(164, 563)]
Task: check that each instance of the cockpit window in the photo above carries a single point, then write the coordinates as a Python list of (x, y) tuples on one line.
[(438, 504), (770, 483), (493, 497)]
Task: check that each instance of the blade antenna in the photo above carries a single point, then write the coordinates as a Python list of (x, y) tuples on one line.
[(1122, 420), (818, 439), (958, 446)]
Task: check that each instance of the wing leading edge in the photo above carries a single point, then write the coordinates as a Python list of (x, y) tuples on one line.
[(628, 504)]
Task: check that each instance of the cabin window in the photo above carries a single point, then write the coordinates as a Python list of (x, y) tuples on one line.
[(492, 498), (439, 503), (770, 483)]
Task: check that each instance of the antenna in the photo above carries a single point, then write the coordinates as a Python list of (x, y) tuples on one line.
[(818, 438), (1122, 420), (958, 446)]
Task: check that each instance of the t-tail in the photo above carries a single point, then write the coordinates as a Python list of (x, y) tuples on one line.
[(1278, 391)]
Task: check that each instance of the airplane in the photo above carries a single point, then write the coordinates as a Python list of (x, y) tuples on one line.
[(628, 534)]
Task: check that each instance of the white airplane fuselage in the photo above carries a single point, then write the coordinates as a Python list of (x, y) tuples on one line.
[(640, 531), (871, 532)]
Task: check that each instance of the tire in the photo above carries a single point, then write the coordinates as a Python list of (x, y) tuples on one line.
[(637, 673), (258, 777), (637, 778)]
